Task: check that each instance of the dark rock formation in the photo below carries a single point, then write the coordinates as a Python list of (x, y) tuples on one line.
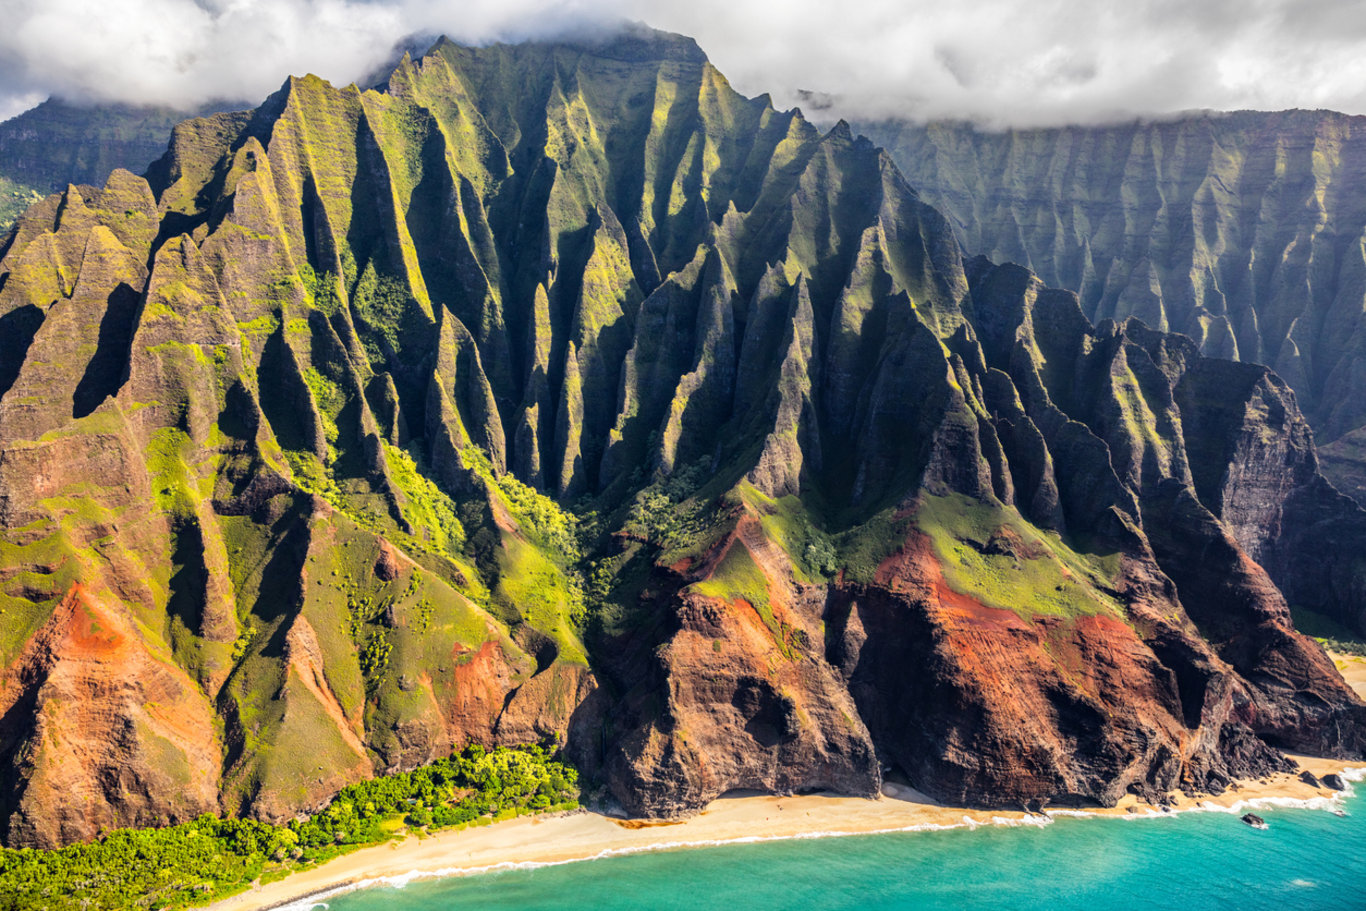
[(1243, 231)]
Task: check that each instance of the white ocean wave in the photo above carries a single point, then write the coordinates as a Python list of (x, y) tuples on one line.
[(1038, 820)]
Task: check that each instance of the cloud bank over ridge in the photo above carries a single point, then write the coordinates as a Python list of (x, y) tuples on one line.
[(1000, 62)]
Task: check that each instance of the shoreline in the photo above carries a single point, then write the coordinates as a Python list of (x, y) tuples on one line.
[(584, 835)]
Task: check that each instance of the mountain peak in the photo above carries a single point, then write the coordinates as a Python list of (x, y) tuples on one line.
[(630, 42)]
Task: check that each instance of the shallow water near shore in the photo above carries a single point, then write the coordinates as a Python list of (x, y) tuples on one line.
[(1306, 859)]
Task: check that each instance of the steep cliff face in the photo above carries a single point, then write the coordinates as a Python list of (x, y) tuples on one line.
[(59, 143), (560, 392), (1243, 231)]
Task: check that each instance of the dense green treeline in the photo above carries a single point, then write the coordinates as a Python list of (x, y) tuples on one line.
[(210, 858)]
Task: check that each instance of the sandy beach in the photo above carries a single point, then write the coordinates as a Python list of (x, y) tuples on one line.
[(584, 835), (1353, 670)]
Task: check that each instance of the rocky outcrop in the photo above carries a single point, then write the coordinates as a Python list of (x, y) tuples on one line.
[(99, 732), (731, 691), (1212, 491), (557, 392)]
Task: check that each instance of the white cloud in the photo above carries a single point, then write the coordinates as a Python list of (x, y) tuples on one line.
[(183, 52), (14, 105), (996, 61)]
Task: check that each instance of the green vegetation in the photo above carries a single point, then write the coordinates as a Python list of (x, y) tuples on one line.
[(863, 548), (542, 593), (31, 594), (538, 571), (433, 524), (430, 512), (374, 659), (393, 321), (671, 520), (321, 289), (995, 556), (172, 479), (738, 576), (788, 522), (242, 643), (672, 514), (543, 518), (15, 198), (330, 401), (1328, 632), (201, 861), (313, 478), (613, 588)]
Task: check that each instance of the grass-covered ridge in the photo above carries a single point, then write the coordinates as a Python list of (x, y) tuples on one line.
[(198, 862), (15, 197), (996, 557), (538, 579)]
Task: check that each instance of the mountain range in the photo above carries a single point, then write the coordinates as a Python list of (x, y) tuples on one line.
[(1244, 231), (59, 143), (557, 392)]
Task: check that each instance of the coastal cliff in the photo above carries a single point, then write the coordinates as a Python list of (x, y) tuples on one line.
[(557, 392)]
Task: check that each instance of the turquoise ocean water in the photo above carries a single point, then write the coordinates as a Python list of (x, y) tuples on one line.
[(1201, 861)]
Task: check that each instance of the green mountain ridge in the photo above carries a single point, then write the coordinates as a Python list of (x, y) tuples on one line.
[(1242, 230), (58, 143), (556, 392)]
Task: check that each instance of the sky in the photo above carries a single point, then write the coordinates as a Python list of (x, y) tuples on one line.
[(998, 62)]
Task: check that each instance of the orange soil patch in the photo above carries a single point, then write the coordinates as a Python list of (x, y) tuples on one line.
[(915, 568), (90, 630), (749, 534), (480, 679)]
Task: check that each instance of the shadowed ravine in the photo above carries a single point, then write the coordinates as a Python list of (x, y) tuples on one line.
[(1241, 230)]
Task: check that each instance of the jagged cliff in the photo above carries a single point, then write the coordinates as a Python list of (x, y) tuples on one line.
[(59, 143), (1244, 231), (556, 391)]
